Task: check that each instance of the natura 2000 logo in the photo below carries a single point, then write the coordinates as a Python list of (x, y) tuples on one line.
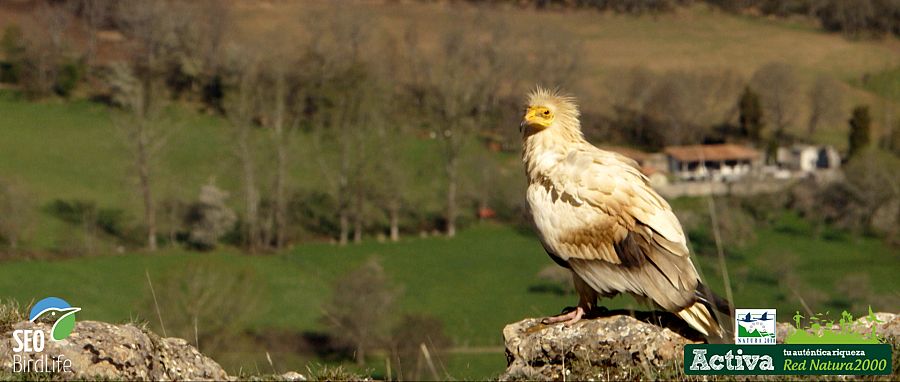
[(754, 326)]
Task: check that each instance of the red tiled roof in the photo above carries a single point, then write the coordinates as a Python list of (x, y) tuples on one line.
[(712, 152)]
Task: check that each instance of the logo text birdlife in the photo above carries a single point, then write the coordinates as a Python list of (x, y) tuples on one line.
[(29, 344), (754, 326)]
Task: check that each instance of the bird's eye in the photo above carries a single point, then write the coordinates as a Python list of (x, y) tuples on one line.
[(547, 113)]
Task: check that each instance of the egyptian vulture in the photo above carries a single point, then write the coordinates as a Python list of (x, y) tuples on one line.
[(597, 216)]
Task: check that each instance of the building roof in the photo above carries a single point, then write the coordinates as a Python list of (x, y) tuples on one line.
[(718, 152)]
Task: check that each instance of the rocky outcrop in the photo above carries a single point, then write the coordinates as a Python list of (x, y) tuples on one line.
[(113, 352), (617, 345)]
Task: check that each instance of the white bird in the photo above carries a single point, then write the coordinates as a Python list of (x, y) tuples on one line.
[(597, 215)]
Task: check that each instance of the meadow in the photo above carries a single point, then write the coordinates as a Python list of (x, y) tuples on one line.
[(475, 283)]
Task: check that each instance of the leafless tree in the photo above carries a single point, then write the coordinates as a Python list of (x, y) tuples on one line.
[(826, 100), (241, 107), (145, 134), (685, 104), (343, 99), (15, 214), (455, 89), (360, 308), (45, 48), (779, 90), (277, 112), (139, 87), (94, 14)]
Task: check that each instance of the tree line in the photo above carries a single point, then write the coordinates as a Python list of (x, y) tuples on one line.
[(351, 92), (349, 87), (858, 18)]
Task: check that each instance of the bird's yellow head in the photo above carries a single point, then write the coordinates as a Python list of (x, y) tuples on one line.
[(538, 116), (548, 109)]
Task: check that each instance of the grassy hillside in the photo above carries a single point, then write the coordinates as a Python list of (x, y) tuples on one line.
[(475, 283), (695, 38)]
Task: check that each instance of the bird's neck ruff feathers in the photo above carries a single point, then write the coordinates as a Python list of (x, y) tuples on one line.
[(544, 148)]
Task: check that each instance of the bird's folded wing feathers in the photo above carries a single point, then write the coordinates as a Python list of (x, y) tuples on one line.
[(628, 209)]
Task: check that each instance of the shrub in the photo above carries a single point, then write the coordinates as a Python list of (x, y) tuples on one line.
[(68, 77), (408, 336), (15, 214), (10, 313), (359, 312), (111, 221), (204, 301), (13, 46), (209, 218), (315, 212)]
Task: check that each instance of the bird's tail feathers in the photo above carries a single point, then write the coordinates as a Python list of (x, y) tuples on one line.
[(699, 317), (706, 295)]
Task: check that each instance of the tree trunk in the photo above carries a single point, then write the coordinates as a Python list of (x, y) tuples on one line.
[(358, 216), (451, 195), (143, 166), (173, 219), (485, 193), (251, 197), (394, 212), (360, 356), (281, 165), (813, 123), (345, 227)]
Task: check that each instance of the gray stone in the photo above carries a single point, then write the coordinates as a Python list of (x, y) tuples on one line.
[(616, 342), (618, 346), (293, 376), (117, 352)]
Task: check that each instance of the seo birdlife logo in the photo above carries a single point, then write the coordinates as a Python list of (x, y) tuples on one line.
[(57, 311), (754, 326), (30, 342)]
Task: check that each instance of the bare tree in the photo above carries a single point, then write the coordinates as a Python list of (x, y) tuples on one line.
[(826, 101), (455, 89), (241, 108), (360, 309), (94, 13), (145, 132), (684, 104), (779, 90), (342, 100), (45, 48), (15, 214), (139, 87), (277, 112)]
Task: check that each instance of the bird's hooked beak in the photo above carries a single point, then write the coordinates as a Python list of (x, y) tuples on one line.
[(534, 117), (70, 310)]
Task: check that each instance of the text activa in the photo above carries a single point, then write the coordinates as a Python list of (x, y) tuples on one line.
[(730, 361)]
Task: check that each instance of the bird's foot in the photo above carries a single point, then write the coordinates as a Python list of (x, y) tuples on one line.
[(568, 319)]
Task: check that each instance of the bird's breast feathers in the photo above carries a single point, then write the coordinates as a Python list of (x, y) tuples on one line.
[(587, 202)]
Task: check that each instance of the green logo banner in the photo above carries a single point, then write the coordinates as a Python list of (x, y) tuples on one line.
[(811, 359)]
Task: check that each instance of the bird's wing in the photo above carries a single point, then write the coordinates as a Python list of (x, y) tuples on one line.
[(632, 235)]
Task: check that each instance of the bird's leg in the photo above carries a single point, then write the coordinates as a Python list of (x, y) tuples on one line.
[(587, 301), (568, 318)]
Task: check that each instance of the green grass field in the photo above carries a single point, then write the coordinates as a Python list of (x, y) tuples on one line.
[(475, 283)]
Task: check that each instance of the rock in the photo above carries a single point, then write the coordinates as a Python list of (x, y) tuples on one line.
[(616, 342), (618, 345), (293, 376), (117, 352)]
